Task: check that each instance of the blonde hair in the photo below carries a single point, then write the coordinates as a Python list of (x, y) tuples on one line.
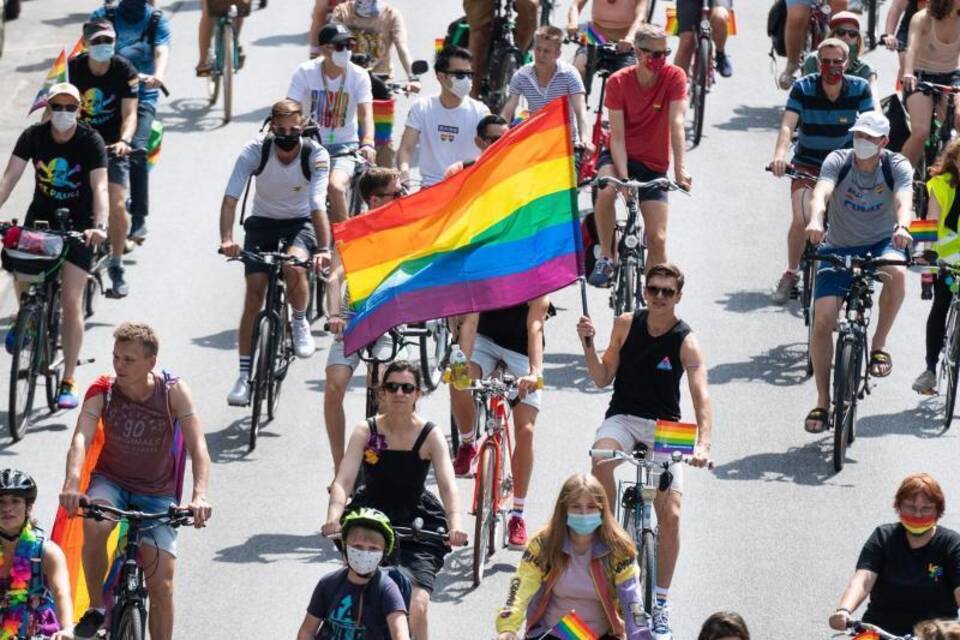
[(550, 33), (141, 333), (836, 43), (937, 630)]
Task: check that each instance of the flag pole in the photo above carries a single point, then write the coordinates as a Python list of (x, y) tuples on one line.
[(581, 259)]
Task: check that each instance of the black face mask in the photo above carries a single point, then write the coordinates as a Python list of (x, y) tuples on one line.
[(288, 142)]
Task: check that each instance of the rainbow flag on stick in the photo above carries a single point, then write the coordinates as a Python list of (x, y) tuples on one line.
[(78, 48), (923, 230), (502, 232), (572, 627), (383, 121), (674, 436), (56, 74)]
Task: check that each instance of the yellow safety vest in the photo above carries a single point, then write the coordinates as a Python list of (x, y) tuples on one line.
[(948, 240)]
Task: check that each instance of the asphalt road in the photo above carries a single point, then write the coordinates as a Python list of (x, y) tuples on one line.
[(771, 532)]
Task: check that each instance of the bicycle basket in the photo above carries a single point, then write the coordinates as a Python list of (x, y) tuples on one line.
[(32, 256), (219, 8)]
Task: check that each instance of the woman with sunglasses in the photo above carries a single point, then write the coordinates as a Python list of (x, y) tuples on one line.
[(395, 450), (845, 26)]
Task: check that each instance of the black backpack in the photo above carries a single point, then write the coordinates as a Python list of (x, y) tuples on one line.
[(777, 26), (149, 34), (306, 150), (885, 167)]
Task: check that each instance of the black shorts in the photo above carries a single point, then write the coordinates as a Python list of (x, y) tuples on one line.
[(421, 562), (268, 234), (688, 12), (950, 79), (77, 253), (638, 171)]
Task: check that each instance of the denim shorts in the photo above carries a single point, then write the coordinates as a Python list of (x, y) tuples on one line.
[(486, 355), (347, 164), (163, 537), (118, 171), (833, 282)]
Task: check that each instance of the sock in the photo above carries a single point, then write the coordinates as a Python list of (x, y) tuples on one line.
[(246, 364), (662, 595), (517, 507), (116, 261), (468, 438), (300, 315)]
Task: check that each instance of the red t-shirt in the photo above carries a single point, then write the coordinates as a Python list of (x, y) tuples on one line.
[(646, 112)]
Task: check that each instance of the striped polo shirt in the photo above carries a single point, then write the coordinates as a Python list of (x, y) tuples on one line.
[(824, 124), (566, 81)]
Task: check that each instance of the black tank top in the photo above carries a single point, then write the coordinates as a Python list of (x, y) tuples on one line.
[(506, 327), (648, 378)]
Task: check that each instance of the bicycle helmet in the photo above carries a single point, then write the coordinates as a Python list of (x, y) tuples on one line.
[(370, 519), (18, 483)]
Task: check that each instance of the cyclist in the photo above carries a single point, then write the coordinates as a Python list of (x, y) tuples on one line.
[(798, 22), (336, 92), (378, 186), (139, 411), (70, 167), (337, 601), (319, 16), (109, 86), (942, 188), (897, 27), (688, 17), (562, 568), (846, 26), (441, 125), (910, 569), (395, 451), (642, 133), (143, 38), (480, 15), (870, 192), (724, 625), (208, 20), (34, 582), (616, 21), (647, 355), (823, 127), (289, 211), (933, 55), (546, 79)]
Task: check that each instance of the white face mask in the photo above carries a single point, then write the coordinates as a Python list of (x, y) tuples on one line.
[(363, 562), (460, 86), (864, 149), (63, 120), (341, 58), (367, 8)]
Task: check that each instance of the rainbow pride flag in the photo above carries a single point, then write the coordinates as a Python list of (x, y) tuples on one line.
[(674, 436), (672, 27), (731, 22), (499, 233), (154, 144), (383, 121), (867, 635), (78, 48), (520, 116), (56, 74), (437, 45), (572, 627), (592, 35), (923, 230)]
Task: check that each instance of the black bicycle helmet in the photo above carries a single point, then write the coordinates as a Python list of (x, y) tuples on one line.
[(17, 483), (368, 519)]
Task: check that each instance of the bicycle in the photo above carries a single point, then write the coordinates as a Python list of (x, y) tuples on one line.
[(941, 132), (703, 77), (851, 369), (950, 354), (546, 8), (818, 25), (225, 58), (857, 627), (271, 350), (128, 616), (504, 58), (871, 24)]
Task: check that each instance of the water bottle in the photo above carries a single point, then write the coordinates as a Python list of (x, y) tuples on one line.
[(926, 286), (459, 369)]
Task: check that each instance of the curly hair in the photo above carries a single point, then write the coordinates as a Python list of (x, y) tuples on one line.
[(947, 162), (140, 333), (939, 9)]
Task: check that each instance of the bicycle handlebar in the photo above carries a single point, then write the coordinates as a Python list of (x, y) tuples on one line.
[(174, 515), (858, 626), (664, 184), (413, 532), (161, 86), (268, 257), (607, 455), (849, 263), (792, 172), (928, 88), (133, 152)]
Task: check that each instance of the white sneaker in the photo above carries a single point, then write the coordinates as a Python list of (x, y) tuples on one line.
[(926, 383), (303, 344), (239, 395), (661, 622)]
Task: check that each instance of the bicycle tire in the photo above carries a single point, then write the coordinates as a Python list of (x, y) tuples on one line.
[(129, 624), (229, 61), (506, 62), (630, 289), (215, 56), (546, 8), (282, 347), (484, 521), (650, 10), (90, 291), (23, 369), (648, 569), (454, 437), (435, 346), (809, 284), (54, 374), (319, 298), (872, 24), (950, 365), (701, 76), (261, 379), (844, 399)]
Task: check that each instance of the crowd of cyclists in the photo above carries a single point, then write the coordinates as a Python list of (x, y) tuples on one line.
[(850, 196)]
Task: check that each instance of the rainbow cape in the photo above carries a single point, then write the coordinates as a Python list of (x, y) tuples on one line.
[(154, 143), (674, 436), (383, 121), (572, 627), (501, 232), (56, 74), (923, 230), (592, 35)]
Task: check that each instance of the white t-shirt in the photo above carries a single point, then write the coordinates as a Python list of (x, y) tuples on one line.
[(332, 102), (446, 135)]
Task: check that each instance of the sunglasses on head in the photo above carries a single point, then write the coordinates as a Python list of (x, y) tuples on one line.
[(846, 33), (394, 387), (460, 75), (656, 55), (340, 46), (63, 107), (660, 292)]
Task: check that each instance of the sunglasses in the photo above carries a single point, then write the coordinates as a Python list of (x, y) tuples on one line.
[(280, 131), (390, 194), (63, 107), (660, 292), (340, 46), (656, 55), (394, 387), (102, 40), (460, 75), (846, 33), (834, 61), (490, 139)]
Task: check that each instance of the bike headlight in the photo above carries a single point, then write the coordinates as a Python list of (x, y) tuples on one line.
[(631, 241)]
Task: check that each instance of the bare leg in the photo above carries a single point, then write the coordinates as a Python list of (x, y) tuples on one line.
[(655, 220), (685, 51), (119, 221), (606, 215), (526, 22), (797, 235), (798, 19), (337, 192), (821, 350), (94, 557), (335, 388), (920, 108), (160, 590), (891, 298), (419, 603), (667, 506), (73, 279), (603, 470), (252, 303), (524, 417)]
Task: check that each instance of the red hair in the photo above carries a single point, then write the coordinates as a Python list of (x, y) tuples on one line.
[(920, 484)]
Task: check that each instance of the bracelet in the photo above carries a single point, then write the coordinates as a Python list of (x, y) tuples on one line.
[(322, 250), (368, 145), (844, 609)]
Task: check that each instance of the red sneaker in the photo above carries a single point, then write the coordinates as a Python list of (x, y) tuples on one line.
[(517, 540), (463, 463)]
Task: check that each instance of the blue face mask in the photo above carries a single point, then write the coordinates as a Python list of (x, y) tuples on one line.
[(101, 52), (584, 523)]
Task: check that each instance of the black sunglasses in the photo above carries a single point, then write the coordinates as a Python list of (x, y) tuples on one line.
[(390, 194), (490, 139), (660, 292), (460, 75), (102, 40), (656, 55), (340, 46), (394, 387), (849, 33), (832, 62), (63, 107)]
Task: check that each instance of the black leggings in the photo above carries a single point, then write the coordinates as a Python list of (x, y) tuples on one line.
[(937, 322)]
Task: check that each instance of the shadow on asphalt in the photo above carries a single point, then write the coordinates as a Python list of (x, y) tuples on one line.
[(7, 444), (182, 5), (258, 116), (264, 547), (568, 371), (782, 366), (455, 582), (298, 39), (747, 118), (747, 301), (809, 465), (230, 444), (34, 67), (191, 114), (922, 421), (63, 21), (226, 340)]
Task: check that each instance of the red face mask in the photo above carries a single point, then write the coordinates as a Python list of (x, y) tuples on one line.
[(831, 73), (655, 64)]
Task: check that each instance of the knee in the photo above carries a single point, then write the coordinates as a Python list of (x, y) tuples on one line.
[(686, 39), (292, 275), (669, 518), (95, 534), (823, 323), (160, 591), (657, 238), (919, 127), (605, 199), (419, 603), (252, 302), (337, 188), (334, 391)]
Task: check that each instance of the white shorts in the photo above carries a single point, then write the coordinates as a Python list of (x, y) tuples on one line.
[(486, 355), (628, 431), (381, 349)]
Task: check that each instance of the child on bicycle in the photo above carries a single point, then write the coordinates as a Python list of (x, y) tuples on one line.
[(337, 608)]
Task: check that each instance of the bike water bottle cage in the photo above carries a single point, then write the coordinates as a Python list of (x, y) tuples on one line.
[(666, 479), (629, 497), (640, 450)]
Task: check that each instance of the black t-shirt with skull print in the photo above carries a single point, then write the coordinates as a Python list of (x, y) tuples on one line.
[(102, 96), (62, 172)]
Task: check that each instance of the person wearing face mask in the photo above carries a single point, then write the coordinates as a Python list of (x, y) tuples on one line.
[(910, 569), (334, 92), (821, 108), (70, 168), (110, 85), (869, 191), (289, 209), (361, 597), (846, 26), (441, 125), (581, 560)]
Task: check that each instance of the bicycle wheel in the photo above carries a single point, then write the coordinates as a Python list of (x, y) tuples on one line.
[(546, 7), (319, 298), (627, 290), (949, 366), (648, 569), (53, 371), (23, 368), (214, 58), (434, 351), (283, 346), (506, 62), (484, 520), (701, 75), (90, 292), (872, 24), (263, 360), (229, 62), (844, 399), (809, 310), (129, 624)]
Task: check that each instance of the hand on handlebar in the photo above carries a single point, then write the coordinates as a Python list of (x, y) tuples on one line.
[(683, 178), (369, 154), (625, 46), (201, 510), (458, 538), (230, 248), (778, 167), (94, 237), (527, 384), (901, 238), (890, 42), (120, 149), (336, 325), (909, 82), (71, 500), (330, 528), (149, 81), (412, 86), (839, 620), (701, 457), (815, 232), (321, 262)]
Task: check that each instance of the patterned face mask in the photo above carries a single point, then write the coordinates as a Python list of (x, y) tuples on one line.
[(368, 8)]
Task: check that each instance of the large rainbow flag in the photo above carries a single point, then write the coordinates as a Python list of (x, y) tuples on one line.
[(56, 74), (503, 231)]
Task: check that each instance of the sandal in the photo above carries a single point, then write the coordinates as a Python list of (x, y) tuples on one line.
[(881, 364), (203, 70), (816, 420)]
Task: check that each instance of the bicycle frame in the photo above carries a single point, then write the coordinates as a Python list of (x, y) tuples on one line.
[(497, 438), (631, 251), (224, 22), (274, 311), (500, 49)]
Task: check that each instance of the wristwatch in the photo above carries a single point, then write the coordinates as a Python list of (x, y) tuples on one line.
[(100, 226)]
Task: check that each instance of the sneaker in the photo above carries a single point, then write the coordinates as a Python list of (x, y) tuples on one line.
[(784, 291), (602, 273), (89, 625), (926, 383), (68, 398), (517, 540), (138, 229), (239, 395), (128, 246), (661, 621), (120, 287), (303, 344), (723, 64), (464, 460), (11, 340)]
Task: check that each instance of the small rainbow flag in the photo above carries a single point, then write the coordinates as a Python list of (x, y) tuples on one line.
[(77, 49), (673, 26), (731, 23), (923, 230), (593, 35), (154, 144), (437, 45), (57, 73), (572, 627), (520, 116), (383, 121), (674, 436), (867, 635)]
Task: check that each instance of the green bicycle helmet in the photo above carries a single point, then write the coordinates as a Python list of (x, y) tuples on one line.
[(370, 519)]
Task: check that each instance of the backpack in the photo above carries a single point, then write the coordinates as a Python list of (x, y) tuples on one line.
[(885, 167), (892, 107), (149, 34), (777, 26), (306, 150)]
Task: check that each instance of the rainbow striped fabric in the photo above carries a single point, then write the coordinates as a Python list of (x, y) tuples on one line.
[(572, 627), (923, 230), (383, 121), (437, 45), (592, 35), (154, 144), (56, 74), (672, 27), (674, 436), (501, 232), (867, 635)]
